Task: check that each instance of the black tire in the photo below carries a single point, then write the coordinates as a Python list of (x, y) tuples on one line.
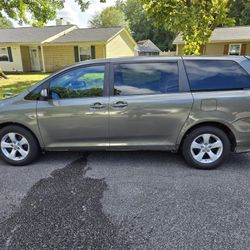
[(34, 149), (188, 140)]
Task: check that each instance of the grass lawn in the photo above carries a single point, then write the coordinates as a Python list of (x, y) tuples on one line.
[(17, 83)]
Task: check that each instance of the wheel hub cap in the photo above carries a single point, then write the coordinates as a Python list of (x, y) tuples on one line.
[(15, 146), (206, 148)]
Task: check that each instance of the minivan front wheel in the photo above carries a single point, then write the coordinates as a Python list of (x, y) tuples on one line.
[(18, 146), (206, 147)]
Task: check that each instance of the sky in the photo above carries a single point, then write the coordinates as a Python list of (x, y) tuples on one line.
[(73, 14)]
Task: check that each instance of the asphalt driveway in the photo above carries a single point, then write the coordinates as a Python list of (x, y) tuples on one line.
[(124, 200)]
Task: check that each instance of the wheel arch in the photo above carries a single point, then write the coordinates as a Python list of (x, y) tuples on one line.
[(216, 124), (5, 124)]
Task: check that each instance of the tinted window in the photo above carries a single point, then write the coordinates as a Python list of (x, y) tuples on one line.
[(216, 75), (77, 83), (35, 94), (145, 78)]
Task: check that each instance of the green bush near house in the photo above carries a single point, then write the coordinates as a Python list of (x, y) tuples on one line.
[(16, 83)]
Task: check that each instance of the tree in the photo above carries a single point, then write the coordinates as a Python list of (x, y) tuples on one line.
[(5, 23), (35, 12), (2, 75), (240, 10), (109, 17), (195, 19), (142, 28)]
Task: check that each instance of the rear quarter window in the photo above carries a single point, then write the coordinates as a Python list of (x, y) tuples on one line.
[(209, 75)]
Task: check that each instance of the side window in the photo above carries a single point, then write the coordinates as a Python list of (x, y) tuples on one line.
[(78, 83), (207, 75), (146, 78)]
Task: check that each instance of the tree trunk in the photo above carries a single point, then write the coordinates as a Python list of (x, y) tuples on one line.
[(2, 74)]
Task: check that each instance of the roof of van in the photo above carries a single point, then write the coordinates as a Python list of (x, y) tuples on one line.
[(154, 59), (161, 58)]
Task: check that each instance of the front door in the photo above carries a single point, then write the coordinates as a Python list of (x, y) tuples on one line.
[(147, 110), (34, 57), (76, 115)]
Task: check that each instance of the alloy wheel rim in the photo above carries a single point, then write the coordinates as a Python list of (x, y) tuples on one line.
[(15, 146), (207, 148)]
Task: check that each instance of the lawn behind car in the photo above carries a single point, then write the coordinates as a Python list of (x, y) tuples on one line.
[(16, 83)]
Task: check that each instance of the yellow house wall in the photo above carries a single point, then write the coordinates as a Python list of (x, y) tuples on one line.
[(60, 56), (57, 57), (215, 49), (100, 51), (120, 46), (248, 49)]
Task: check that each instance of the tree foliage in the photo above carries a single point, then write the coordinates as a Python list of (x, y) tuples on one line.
[(240, 10), (195, 19), (35, 12), (5, 23), (142, 28), (109, 17)]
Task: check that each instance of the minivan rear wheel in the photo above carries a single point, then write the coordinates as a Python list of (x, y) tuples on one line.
[(206, 147), (18, 146)]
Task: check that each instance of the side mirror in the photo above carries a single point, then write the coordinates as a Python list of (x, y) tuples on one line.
[(44, 93)]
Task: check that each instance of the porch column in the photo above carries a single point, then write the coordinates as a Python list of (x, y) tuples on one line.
[(44, 70)]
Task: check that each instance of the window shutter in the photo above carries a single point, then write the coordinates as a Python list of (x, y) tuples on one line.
[(10, 54), (92, 52), (226, 49), (243, 49), (76, 52)]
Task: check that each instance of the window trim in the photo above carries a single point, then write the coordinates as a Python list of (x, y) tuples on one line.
[(112, 74), (232, 44)]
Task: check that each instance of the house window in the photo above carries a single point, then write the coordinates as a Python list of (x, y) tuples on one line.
[(85, 53), (4, 54), (234, 49)]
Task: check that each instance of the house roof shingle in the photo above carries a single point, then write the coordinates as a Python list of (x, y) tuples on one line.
[(88, 34), (30, 34), (237, 33), (147, 46)]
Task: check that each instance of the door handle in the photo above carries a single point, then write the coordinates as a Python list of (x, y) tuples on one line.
[(97, 105), (120, 104)]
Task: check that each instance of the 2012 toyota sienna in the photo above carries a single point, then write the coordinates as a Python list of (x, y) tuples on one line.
[(197, 105)]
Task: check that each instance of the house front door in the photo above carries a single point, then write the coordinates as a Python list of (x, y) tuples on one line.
[(34, 57)]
